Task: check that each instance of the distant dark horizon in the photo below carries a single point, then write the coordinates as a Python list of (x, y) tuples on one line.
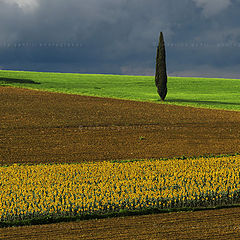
[(109, 73)]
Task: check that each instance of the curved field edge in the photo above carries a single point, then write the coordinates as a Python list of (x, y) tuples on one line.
[(185, 91), (208, 199)]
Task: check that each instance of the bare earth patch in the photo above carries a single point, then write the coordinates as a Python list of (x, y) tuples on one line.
[(51, 127), (211, 224)]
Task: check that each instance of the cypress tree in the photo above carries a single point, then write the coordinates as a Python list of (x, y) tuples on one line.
[(161, 72)]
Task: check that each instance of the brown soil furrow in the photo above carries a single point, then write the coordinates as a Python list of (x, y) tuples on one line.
[(51, 127), (208, 224)]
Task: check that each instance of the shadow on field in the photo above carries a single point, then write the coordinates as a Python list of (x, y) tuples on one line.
[(14, 80), (200, 102)]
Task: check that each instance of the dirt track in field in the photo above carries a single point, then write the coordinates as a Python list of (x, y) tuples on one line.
[(212, 224), (50, 127)]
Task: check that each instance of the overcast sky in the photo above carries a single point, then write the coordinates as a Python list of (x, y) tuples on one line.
[(202, 37)]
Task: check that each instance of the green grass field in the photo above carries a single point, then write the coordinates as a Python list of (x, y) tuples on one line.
[(197, 92)]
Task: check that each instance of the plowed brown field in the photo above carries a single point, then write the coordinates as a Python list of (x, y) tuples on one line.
[(49, 127), (212, 224)]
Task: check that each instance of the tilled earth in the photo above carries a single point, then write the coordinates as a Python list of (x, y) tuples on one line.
[(211, 224), (52, 127)]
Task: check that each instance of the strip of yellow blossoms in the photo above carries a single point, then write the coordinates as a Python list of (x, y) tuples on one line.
[(74, 189)]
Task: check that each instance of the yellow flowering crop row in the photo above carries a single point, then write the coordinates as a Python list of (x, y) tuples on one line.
[(75, 189)]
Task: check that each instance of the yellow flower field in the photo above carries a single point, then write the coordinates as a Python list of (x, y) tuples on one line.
[(29, 191)]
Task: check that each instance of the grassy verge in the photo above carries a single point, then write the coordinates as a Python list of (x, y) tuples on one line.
[(197, 92)]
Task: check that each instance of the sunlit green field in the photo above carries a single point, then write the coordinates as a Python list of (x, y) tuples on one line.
[(198, 92)]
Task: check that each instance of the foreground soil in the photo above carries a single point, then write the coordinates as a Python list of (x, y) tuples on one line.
[(210, 224), (52, 127)]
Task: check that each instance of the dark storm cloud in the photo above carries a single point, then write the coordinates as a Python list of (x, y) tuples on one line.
[(119, 36)]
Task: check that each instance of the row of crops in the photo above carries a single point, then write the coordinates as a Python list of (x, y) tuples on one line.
[(30, 191)]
